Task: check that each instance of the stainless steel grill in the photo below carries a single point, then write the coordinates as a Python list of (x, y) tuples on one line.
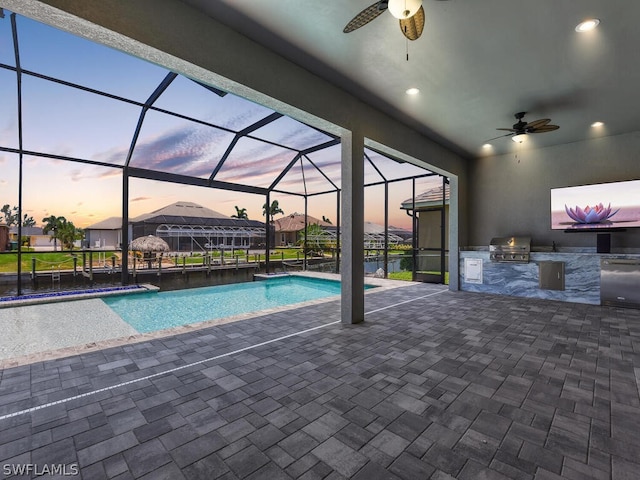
[(510, 249)]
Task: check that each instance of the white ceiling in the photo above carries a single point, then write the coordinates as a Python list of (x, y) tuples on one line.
[(477, 63)]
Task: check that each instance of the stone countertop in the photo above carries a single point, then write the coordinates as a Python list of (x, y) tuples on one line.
[(631, 253)]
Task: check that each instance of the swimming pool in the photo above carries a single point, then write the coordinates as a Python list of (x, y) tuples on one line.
[(148, 312)]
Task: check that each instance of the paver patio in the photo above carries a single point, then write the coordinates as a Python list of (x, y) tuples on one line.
[(438, 385)]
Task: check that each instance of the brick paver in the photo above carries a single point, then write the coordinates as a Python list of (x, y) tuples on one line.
[(454, 385)]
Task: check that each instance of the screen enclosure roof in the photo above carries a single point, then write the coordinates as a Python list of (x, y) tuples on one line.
[(70, 99)]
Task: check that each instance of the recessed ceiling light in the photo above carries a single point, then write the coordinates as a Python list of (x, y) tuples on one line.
[(597, 124), (587, 25), (487, 146), (412, 91)]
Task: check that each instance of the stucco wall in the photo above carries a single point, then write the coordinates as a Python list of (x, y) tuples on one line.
[(510, 194)]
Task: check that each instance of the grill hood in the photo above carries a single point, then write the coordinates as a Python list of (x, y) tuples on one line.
[(510, 249)]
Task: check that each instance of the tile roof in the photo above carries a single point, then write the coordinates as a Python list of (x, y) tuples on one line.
[(181, 209), (295, 222), (430, 197), (111, 223), (178, 213)]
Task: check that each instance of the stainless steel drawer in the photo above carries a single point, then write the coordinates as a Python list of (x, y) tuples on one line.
[(620, 282)]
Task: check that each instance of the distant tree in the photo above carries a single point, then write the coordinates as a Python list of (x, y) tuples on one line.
[(69, 233), (53, 226), (7, 211), (270, 210), (326, 220), (317, 240), (11, 216), (313, 232), (240, 213), (28, 221)]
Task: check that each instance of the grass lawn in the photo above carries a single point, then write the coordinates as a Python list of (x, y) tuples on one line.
[(276, 254), (401, 275), (44, 261), (406, 276), (64, 260)]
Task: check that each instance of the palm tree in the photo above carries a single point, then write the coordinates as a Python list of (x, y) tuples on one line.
[(53, 224), (240, 213), (270, 211), (314, 238), (68, 233)]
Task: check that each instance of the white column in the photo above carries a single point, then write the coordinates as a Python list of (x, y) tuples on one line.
[(352, 260)]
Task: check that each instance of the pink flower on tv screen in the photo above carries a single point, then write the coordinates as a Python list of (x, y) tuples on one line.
[(596, 214)]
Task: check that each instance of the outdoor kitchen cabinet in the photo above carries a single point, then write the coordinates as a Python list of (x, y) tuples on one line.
[(568, 276), (551, 275)]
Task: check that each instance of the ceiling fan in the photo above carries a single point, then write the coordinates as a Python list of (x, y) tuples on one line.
[(409, 12), (521, 129)]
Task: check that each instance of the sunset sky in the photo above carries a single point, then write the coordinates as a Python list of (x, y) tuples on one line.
[(61, 120)]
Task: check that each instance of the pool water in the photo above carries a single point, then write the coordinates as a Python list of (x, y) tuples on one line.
[(148, 312)]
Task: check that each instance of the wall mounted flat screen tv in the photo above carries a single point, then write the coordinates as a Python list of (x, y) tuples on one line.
[(593, 207)]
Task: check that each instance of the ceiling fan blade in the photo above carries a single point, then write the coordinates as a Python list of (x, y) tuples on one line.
[(412, 27), (544, 128), (538, 123), (508, 129), (364, 17)]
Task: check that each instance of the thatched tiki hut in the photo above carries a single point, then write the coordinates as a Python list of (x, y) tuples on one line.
[(150, 246)]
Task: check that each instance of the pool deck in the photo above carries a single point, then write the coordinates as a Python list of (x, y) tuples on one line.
[(46, 328), (433, 384), (70, 295)]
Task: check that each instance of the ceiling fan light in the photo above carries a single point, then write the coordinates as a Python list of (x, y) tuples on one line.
[(402, 9), (519, 138), (587, 25)]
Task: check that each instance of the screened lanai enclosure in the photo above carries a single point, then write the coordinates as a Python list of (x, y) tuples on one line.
[(81, 123)]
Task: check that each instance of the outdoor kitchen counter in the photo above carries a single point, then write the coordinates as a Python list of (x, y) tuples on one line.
[(581, 275)]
